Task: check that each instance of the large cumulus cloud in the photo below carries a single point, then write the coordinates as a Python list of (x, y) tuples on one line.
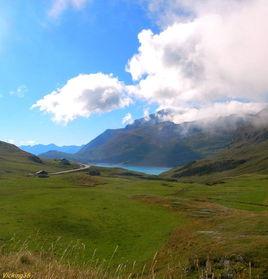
[(83, 95), (213, 55)]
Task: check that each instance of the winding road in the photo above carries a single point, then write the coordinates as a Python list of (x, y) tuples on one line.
[(83, 167)]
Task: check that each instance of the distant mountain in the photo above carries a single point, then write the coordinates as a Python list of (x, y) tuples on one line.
[(41, 148), (52, 154)]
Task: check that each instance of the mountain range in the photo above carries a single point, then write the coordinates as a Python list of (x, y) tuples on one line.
[(155, 142), (230, 146), (42, 148)]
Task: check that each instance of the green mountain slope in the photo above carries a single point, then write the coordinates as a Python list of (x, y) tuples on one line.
[(247, 154), (14, 161)]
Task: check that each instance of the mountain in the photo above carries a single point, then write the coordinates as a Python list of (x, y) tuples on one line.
[(154, 142), (41, 148), (155, 145), (52, 154), (248, 153)]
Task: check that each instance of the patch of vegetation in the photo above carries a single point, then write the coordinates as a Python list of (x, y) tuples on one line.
[(25, 264), (208, 168)]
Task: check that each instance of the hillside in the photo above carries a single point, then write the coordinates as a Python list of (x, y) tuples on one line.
[(15, 161), (12, 158), (247, 154), (53, 154)]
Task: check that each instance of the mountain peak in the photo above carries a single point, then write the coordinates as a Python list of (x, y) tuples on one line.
[(152, 119)]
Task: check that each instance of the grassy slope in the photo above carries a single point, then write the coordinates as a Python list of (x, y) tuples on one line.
[(102, 217), (242, 157), (141, 217), (14, 161)]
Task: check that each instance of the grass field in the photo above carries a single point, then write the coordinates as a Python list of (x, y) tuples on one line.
[(188, 224)]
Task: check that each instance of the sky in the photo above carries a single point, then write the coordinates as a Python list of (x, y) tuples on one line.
[(70, 69)]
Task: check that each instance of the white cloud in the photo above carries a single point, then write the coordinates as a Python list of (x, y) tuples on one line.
[(27, 142), (213, 111), (19, 92), (20, 143), (146, 114), (83, 95), (11, 141), (59, 6), (128, 119), (217, 55)]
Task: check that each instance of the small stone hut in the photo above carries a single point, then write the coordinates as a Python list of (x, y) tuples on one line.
[(42, 174)]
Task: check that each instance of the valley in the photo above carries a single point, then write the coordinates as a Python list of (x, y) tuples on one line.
[(180, 221), (205, 218), (114, 217)]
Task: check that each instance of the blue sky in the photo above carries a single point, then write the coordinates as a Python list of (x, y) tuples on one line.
[(70, 69), (39, 53)]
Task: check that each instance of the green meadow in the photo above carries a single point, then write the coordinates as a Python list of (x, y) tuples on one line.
[(125, 219), (101, 213)]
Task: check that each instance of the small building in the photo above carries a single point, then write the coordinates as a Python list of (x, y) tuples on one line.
[(42, 174)]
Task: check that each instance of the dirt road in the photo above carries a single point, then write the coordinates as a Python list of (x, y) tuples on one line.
[(83, 167)]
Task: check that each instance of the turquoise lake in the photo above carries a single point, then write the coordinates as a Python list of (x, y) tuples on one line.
[(147, 170)]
